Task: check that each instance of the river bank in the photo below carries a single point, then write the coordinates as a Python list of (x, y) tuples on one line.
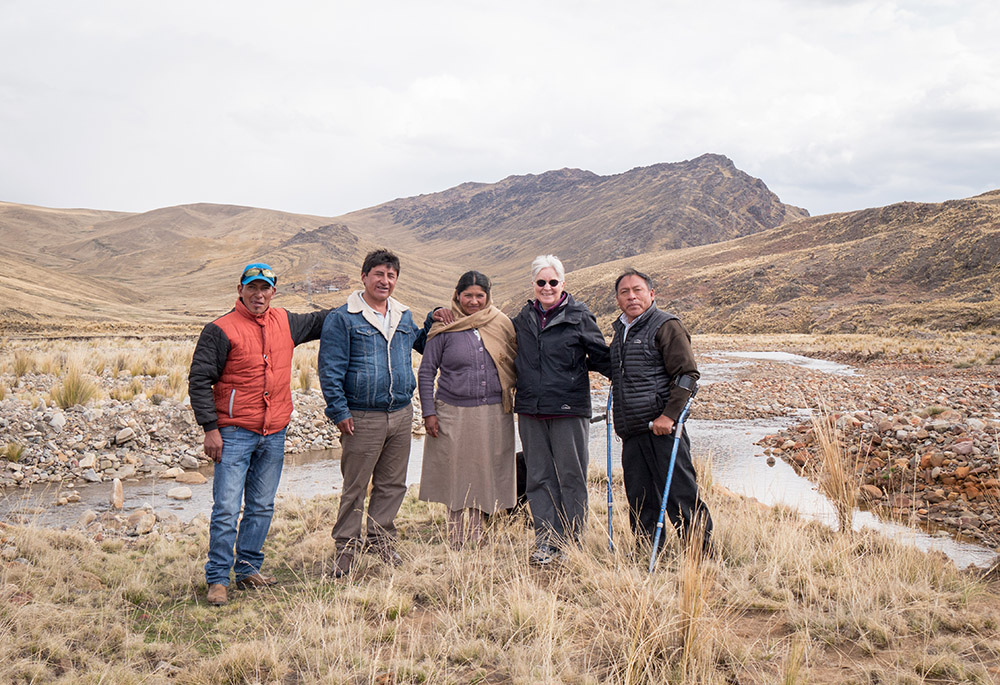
[(922, 431)]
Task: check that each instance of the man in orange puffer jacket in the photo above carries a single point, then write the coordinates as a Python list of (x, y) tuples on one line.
[(240, 392)]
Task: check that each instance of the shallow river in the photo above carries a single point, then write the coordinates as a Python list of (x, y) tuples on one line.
[(736, 461)]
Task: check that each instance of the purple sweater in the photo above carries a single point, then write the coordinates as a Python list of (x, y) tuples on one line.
[(468, 377)]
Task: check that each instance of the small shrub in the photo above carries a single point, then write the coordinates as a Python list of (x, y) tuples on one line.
[(13, 451), (75, 389), (23, 364), (305, 378)]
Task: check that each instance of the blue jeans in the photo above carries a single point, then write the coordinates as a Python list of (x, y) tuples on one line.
[(248, 473)]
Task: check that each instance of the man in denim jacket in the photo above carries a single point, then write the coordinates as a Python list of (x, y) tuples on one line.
[(366, 373)]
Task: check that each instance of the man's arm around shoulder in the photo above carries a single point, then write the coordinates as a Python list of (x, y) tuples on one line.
[(306, 327)]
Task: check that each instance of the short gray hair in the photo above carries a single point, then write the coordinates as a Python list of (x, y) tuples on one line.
[(548, 261)]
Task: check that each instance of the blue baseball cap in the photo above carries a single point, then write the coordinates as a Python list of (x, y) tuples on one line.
[(258, 272)]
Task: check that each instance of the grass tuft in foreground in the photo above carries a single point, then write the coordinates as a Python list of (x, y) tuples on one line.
[(784, 601)]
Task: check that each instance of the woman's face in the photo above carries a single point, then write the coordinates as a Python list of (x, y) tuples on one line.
[(548, 294), (472, 299)]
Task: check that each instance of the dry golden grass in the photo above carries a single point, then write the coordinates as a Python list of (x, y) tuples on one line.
[(790, 601), (74, 389), (839, 475)]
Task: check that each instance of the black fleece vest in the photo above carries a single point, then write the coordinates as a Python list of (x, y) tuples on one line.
[(640, 383)]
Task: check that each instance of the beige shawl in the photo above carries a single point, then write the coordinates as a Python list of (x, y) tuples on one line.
[(498, 336)]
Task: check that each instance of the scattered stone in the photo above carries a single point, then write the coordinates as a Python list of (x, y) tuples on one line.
[(117, 494), (124, 435), (192, 478), (179, 493), (171, 472), (142, 521), (189, 462), (86, 518), (871, 492), (58, 421), (91, 476)]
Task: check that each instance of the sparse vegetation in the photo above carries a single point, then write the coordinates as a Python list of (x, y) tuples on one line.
[(23, 363), (839, 476), (13, 451), (75, 389), (787, 593)]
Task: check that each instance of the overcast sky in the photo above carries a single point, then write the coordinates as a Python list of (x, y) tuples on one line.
[(327, 107)]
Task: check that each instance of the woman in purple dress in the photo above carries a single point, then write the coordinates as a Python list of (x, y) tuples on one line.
[(468, 460)]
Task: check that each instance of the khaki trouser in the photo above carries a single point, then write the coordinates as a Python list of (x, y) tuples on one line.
[(378, 452)]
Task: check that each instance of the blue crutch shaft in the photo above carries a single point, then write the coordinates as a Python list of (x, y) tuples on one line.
[(678, 428)]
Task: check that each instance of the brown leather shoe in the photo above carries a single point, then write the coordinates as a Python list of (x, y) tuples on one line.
[(217, 594), (344, 564), (256, 581)]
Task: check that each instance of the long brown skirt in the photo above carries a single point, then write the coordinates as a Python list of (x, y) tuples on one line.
[(470, 465)]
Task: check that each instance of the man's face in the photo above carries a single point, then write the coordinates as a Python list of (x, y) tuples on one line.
[(634, 296), (256, 296), (379, 283)]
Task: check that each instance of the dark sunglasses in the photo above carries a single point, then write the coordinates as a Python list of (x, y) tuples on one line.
[(255, 271), (553, 282)]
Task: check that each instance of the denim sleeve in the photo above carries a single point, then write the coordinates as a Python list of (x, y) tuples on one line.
[(334, 355)]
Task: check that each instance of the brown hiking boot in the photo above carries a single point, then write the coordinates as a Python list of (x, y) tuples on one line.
[(217, 594), (344, 564)]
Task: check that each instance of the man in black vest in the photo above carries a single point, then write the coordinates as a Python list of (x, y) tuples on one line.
[(653, 374)]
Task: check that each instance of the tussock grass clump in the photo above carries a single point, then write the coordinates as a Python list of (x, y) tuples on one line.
[(128, 392), (839, 476), (12, 451), (23, 364), (75, 389)]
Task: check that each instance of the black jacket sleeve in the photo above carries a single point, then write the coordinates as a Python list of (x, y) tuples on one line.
[(674, 343), (306, 327), (598, 352), (421, 340), (207, 363)]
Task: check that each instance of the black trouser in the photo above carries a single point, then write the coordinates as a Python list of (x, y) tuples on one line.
[(645, 460)]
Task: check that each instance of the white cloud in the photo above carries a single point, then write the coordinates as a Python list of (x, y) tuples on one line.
[(328, 107)]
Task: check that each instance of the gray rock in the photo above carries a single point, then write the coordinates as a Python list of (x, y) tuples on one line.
[(126, 471), (142, 522), (124, 435), (191, 478), (117, 494), (86, 518), (91, 476), (182, 492), (58, 421), (189, 462)]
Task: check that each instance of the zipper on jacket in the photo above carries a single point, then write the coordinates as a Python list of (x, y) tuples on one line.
[(388, 355), (232, 398)]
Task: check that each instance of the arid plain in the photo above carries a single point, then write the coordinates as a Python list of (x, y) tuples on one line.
[(100, 310)]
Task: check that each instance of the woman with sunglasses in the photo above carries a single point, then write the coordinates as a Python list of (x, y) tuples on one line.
[(558, 344), (468, 462)]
